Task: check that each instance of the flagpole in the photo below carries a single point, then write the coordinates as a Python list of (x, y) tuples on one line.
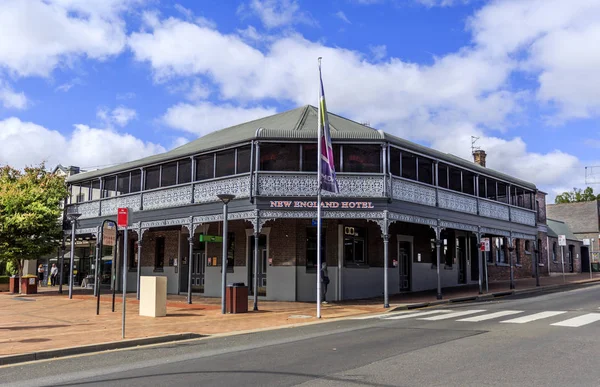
[(319, 161)]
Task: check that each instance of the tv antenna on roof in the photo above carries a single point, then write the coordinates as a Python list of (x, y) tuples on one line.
[(592, 175), (473, 147)]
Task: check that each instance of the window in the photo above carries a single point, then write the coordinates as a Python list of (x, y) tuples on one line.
[(443, 175), (490, 189), (500, 250), (152, 177), (123, 184), (355, 246), (168, 175), (539, 251), (309, 157), (513, 195), (455, 179), (553, 251), (520, 198), (110, 186), (362, 158), (225, 163), (132, 254), (80, 198), (409, 166), (205, 165), (136, 181), (489, 257), (502, 193), (482, 186), (518, 251), (243, 159), (184, 174), (96, 194), (527, 247), (159, 254), (469, 183), (395, 161), (311, 248), (280, 157), (425, 174), (449, 247)]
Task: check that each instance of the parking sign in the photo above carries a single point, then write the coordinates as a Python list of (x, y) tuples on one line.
[(562, 240)]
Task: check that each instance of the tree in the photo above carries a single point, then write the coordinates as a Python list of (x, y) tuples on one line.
[(30, 213), (577, 195)]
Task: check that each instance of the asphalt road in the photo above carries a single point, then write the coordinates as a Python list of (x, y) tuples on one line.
[(506, 342)]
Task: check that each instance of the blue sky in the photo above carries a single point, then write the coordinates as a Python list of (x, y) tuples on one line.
[(98, 82)]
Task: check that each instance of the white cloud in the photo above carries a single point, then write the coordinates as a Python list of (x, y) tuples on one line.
[(276, 13), (26, 143), (55, 32), (342, 16), (205, 117), (379, 52), (11, 99), (120, 115)]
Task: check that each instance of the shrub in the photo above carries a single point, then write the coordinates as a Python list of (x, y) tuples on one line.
[(4, 279)]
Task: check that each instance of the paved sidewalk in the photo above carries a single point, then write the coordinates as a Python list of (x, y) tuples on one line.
[(50, 320)]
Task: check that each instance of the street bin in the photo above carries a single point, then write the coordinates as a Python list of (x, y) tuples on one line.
[(153, 296), (236, 298), (595, 267), (13, 284), (29, 284)]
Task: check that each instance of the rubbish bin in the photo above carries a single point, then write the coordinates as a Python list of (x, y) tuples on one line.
[(13, 284), (29, 284), (236, 298), (595, 266)]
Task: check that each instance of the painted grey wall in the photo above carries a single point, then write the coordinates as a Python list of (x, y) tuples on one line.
[(281, 283), (424, 276), (362, 283), (212, 279), (306, 285)]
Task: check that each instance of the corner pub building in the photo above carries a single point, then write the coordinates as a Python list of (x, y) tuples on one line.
[(394, 195)]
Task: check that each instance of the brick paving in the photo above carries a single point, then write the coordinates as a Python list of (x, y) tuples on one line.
[(50, 320)]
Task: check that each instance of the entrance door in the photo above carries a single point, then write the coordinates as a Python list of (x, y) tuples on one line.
[(404, 260), (262, 265), (461, 251), (198, 270), (571, 253), (475, 259), (585, 260)]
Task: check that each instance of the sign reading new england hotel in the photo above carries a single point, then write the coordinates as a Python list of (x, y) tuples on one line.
[(324, 204)]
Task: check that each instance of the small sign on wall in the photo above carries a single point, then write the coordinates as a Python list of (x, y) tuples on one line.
[(562, 240), (485, 244)]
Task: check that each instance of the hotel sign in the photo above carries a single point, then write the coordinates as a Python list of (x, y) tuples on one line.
[(324, 204)]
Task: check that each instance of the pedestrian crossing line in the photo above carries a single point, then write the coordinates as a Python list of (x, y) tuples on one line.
[(579, 321), (418, 314), (452, 315), (533, 317), (384, 315), (490, 316)]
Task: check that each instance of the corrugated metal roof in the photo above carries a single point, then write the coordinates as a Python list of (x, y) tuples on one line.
[(556, 228), (295, 124)]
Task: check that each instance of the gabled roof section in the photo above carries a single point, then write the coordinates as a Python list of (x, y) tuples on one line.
[(556, 228), (296, 124)]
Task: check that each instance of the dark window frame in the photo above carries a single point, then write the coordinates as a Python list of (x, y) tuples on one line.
[(354, 238), (312, 268)]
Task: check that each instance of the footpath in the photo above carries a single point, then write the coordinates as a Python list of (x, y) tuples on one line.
[(48, 324)]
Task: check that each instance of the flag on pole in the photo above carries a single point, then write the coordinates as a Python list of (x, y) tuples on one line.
[(328, 180)]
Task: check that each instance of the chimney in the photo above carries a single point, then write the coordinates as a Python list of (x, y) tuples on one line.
[(479, 157)]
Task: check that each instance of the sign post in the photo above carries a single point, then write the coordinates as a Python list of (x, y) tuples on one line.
[(562, 242), (485, 247), (586, 242), (123, 220)]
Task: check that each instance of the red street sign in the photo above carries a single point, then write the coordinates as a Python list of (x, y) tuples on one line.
[(482, 246), (123, 217)]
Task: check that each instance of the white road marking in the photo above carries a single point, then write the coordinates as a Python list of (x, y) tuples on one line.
[(452, 315), (418, 314), (491, 315), (533, 317), (377, 316), (579, 321)]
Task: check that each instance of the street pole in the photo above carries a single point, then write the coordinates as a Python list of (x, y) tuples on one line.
[(125, 237), (73, 218), (591, 254), (62, 264), (438, 243), (224, 259), (190, 262), (386, 239), (97, 264), (255, 279), (480, 259), (562, 257)]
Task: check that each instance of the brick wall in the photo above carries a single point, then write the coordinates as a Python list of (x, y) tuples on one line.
[(238, 228), (522, 269), (556, 266), (540, 197), (149, 246)]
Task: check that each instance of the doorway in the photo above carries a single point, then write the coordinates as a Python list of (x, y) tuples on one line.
[(198, 270), (475, 258), (262, 265), (570, 259), (404, 262), (461, 253), (585, 259)]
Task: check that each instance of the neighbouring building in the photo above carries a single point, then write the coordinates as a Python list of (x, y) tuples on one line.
[(395, 195)]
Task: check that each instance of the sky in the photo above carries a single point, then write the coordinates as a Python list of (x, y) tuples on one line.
[(93, 83)]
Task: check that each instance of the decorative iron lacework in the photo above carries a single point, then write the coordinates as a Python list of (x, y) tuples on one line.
[(523, 236), (110, 206), (208, 218), (458, 226), (154, 223), (81, 231), (493, 210), (87, 210), (207, 192), (306, 185), (171, 197), (412, 219), (495, 231), (134, 227), (411, 192), (457, 202), (522, 216)]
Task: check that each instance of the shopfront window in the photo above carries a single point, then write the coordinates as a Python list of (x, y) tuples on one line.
[(355, 253), (500, 250)]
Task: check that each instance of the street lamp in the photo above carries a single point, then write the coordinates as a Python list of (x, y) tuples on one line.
[(73, 218), (225, 198)]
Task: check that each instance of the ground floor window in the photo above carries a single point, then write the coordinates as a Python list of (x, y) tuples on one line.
[(500, 253), (132, 253), (518, 251), (311, 248), (159, 254), (355, 252), (553, 251)]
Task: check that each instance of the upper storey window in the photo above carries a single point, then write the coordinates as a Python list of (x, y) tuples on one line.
[(243, 159), (280, 157), (425, 170), (361, 158), (225, 163), (409, 166)]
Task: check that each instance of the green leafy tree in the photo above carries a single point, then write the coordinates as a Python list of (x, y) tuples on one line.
[(30, 213), (577, 195)]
